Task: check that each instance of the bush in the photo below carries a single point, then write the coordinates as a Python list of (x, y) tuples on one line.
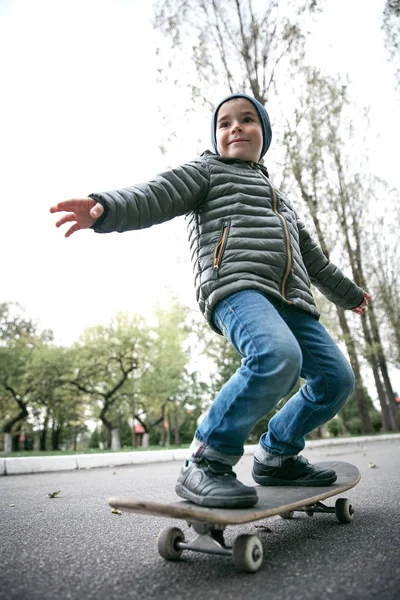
[(376, 422), (354, 426), (336, 427)]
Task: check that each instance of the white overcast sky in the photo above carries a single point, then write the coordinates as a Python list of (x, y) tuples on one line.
[(79, 114)]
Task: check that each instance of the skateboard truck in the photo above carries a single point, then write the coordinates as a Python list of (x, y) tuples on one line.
[(246, 552), (209, 539), (343, 510)]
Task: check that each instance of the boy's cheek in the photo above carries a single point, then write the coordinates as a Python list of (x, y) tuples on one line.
[(222, 147)]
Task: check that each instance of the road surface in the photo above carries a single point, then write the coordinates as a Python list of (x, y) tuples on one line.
[(73, 547)]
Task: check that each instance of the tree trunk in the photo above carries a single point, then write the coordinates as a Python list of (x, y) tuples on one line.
[(43, 435), (21, 416), (115, 439), (177, 437), (113, 432), (365, 418), (7, 442), (373, 360), (55, 437), (312, 204), (346, 210), (165, 428), (75, 443), (384, 371)]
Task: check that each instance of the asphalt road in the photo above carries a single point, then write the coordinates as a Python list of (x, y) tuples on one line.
[(73, 547)]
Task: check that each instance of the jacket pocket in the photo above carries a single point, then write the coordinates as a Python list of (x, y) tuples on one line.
[(220, 249)]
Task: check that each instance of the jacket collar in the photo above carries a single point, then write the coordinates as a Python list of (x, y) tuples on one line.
[(232, 161)]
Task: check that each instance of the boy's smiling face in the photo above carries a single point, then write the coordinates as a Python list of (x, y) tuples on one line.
[(239, 132)]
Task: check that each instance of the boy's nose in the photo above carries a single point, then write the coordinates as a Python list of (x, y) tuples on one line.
[(236, 127)]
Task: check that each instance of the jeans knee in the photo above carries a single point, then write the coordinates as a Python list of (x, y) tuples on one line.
[(283, 366), (342, 385)]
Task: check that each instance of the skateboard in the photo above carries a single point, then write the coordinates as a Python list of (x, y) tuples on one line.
[(209, 523)]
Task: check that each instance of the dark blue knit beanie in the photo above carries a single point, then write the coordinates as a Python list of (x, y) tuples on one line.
[(262, 113)]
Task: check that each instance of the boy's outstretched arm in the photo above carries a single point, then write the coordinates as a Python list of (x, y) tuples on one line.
[(82, 212)]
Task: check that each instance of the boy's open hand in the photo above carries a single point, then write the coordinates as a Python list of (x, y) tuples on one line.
[(82, 212), (362, 308)]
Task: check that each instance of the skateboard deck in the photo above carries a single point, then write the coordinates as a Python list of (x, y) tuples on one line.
[(209, 523)]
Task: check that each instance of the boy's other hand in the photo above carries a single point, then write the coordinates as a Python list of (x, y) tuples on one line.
[(82, 212), (362, 308)]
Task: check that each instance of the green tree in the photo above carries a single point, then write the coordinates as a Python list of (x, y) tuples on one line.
[(160, 391), (55, 405), (105, 359), (20, 341)]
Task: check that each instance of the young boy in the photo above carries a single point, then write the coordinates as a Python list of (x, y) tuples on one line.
[(253, 264)]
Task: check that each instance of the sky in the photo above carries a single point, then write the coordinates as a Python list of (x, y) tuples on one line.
[(80, 113)]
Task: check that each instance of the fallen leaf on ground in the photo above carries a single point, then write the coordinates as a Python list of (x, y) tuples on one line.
[(372, 465), (54, 494), (115, 511), (264, 528)]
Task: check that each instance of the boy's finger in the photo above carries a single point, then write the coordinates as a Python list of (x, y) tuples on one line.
[(66, 219), (96, 211), (70, 204), (65, 205), (72, 230)]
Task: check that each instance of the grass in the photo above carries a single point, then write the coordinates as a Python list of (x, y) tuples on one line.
[(27, 453)]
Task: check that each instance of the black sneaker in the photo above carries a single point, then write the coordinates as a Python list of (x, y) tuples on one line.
[(214, 484), (295, 470)]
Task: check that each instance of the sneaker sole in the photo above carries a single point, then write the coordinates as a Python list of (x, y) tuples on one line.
[(266, 480), (216, 501)]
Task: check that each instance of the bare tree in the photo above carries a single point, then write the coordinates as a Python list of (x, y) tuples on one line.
[(306, 145), (391, 28), (323, 112), (235, 45)]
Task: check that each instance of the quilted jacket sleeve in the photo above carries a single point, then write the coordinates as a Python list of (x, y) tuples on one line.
[(168, 195), (328, 278)]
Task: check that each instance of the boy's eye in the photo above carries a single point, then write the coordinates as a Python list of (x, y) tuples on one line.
[(247, 119), (224, 124)]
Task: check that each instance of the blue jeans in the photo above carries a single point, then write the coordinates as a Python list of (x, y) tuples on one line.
[(277, 343)]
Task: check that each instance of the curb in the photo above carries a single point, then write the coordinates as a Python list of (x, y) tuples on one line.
[(47, 464)]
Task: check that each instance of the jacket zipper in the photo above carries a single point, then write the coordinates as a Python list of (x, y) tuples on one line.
[(288, 247), (219, 250)]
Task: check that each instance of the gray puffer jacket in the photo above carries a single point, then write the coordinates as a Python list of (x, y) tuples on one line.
[(243, 233)]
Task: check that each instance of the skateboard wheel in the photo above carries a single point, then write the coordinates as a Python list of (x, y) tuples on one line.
[(247, 553), (287, 515), (344, 510), (167, 543)]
